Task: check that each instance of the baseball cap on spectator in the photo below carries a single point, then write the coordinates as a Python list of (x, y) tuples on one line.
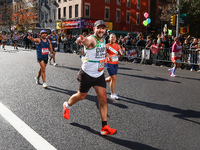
[(53, 30), (99, 22), (43, 31)]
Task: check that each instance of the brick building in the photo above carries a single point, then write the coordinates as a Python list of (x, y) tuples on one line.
[(120, 15)]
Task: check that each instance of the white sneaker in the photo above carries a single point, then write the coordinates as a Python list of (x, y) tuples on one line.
[(114, 96), (192, 70), (55, 64), (37, 80), (45, 85), (173, 75)]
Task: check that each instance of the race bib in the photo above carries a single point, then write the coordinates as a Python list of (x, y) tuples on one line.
[(115, 58), (101, 65), (45, 51)]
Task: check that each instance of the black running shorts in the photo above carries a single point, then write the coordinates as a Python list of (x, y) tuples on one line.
[(86, 81), (41, 59)]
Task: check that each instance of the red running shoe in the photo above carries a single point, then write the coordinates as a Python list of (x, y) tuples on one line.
[(65, 111), (107, 130)]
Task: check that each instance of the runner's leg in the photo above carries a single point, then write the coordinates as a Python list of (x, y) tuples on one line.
[(76, 97), (112, 83), (43, 67), (103, 108)]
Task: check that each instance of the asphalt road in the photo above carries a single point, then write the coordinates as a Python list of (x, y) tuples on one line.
[(155, 111)]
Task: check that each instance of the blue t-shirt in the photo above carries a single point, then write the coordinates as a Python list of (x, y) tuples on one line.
[(42, 49), (53, 40)]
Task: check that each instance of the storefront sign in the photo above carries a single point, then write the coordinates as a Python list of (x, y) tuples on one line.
[(58, 25), (71, 24), (82, 23), (86, 23)]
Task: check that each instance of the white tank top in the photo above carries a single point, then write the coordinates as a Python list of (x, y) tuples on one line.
[(94, 59)]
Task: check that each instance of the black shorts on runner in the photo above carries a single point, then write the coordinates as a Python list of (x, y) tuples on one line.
[(86, 81), (41, 59), (15, 41)]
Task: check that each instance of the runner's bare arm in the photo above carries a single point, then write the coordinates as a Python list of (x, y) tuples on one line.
[(50, 46), (36, 40), (108, 57), (88, 42), (121, 51)]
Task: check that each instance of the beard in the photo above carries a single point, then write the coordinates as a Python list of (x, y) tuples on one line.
[(99, 36)]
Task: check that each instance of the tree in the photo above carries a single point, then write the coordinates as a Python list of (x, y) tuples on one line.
[(24, 20), (189, 7), (6, 13)]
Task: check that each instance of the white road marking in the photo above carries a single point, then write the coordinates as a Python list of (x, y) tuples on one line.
[(29, 134)]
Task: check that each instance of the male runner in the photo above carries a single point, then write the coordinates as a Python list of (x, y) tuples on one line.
[(92, 74), (4, 39), (15, 40), (54, 41), (42, 48)]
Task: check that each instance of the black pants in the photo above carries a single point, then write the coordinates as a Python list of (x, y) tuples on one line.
[(27, 45)]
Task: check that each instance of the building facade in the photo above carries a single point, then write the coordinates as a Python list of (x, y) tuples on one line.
[(47, 13), (119, 15)]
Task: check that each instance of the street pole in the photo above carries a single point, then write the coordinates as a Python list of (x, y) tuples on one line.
[(178, 16)]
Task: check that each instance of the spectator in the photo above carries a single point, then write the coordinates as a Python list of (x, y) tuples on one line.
[(166, 49), (186, 47), (128, 41), (148, 42), (193, 56), (198, 56), (154, 49), (121, 39), (27, 41), (107, 36)]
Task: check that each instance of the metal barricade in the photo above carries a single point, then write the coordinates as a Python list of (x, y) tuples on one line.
[(189, 56)]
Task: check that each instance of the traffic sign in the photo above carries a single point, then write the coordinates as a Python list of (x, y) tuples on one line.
[(183, 15)]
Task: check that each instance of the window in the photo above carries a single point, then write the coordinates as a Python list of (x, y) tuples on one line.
[(59, 13), (70, 11), (65, 0), (128, 3), (118, 2), (64, 12), (107, 1), (138, 4), (107, 13), (76, 10), (87, 10), (118, 16), (137, 18), (59, 1), (128, 16), (54, 14)]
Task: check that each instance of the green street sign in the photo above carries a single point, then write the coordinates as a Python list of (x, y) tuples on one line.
[(183, 15)]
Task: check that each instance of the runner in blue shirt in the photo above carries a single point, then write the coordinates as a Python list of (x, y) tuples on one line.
[(54, 41), (42, 49)]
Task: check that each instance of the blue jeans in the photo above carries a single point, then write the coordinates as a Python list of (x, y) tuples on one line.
[(193, 59)]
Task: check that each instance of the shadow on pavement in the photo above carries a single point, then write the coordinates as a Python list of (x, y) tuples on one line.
[(124, 68), (188, 78), (88, 97), (180, 113), (149, 78), (125, 143), (65, 67)]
